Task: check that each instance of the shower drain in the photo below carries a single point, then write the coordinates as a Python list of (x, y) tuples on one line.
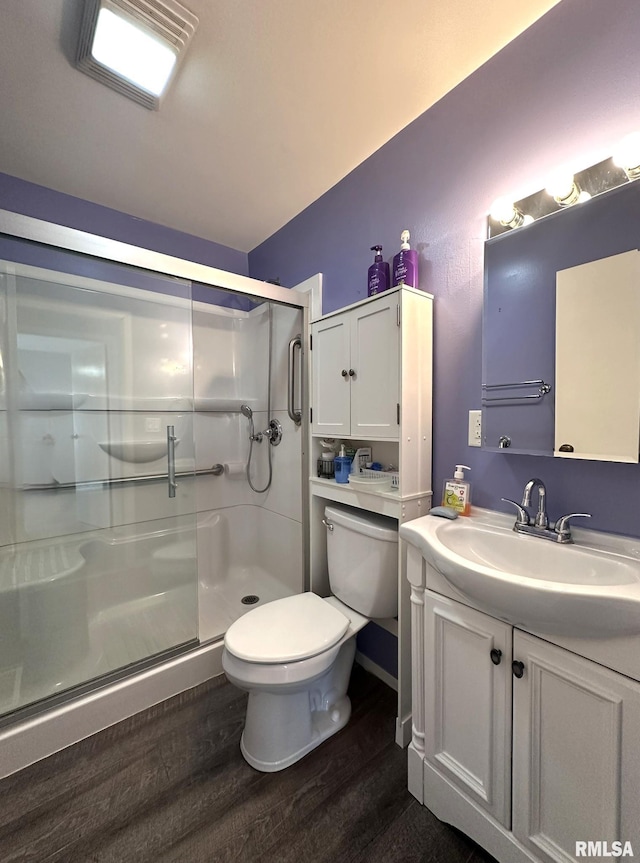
[(250, 599)]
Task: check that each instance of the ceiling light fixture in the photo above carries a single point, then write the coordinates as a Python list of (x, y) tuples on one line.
[(134, 46)]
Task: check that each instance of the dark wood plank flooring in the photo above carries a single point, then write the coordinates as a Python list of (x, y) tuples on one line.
[(170, 786)]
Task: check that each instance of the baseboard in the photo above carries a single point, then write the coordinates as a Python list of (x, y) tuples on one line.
[(404, 730), (376, 670)]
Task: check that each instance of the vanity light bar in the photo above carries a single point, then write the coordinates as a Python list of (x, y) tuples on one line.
[(565, 189)]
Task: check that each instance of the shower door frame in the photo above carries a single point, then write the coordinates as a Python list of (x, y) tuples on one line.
[(51, 730)]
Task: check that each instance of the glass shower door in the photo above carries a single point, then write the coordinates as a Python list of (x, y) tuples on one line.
[(98, 568)]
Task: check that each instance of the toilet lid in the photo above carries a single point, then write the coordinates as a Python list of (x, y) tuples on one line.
[(286, 630)]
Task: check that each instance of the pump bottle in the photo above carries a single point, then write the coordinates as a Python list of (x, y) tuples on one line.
[(405, 264), (456, 492), (378, 273)]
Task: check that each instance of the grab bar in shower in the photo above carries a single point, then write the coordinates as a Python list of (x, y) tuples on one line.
[(214, 470), (171, 460), (294, 415)]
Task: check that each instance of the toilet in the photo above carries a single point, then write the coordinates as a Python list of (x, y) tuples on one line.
[(294, 655)]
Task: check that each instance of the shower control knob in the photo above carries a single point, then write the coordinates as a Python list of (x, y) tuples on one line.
[(344, 373)]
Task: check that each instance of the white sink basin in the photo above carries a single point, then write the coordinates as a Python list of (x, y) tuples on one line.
[(588, 589)]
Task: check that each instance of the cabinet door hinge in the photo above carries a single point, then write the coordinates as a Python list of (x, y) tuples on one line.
[(310, 343), (310, 415), (398, 412), (398, 314)]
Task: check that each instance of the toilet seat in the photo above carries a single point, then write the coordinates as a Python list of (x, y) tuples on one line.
[(287, 630)]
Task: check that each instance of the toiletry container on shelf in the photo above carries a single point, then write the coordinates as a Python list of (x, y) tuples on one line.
[(342, 464), (294, 655), (405, 264), (378, 275)]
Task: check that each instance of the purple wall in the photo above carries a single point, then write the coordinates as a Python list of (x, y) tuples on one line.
[(565, 90), (19, 196)]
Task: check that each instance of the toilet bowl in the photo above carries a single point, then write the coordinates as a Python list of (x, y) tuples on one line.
[(294, 655)]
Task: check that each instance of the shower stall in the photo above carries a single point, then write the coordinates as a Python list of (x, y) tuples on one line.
[(151, 466)]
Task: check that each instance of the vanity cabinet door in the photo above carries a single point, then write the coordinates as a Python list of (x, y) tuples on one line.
[(468, 702), (576, 752)]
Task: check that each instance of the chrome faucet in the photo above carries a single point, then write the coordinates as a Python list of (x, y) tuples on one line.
[(560, 532), (542, 519)]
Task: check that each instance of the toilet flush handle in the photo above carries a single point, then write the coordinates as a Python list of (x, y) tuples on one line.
[(327, 524)]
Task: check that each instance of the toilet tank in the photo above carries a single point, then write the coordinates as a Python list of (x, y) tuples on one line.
[(362, 556)]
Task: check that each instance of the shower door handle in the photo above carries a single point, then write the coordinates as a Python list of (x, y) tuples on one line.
[(171, 460), (294, 415)]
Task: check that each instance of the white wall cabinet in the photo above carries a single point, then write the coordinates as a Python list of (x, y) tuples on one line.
[(386, 342), (355, 369), (524, 745)]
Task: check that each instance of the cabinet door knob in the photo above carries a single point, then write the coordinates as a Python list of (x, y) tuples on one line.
[(518, 668), (351, 373), (496, 656), (344, 373)]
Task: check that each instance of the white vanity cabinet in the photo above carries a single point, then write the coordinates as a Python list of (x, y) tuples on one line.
[(523, 745), (576, 764)]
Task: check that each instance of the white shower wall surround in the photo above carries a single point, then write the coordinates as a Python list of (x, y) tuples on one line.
[(99, 567), (121, 416)]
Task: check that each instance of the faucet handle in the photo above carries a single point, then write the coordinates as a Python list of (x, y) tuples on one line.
[(562, 525), (523, 515)]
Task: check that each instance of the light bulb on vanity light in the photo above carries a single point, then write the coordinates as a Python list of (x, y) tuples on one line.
[(504, 211), (564, 190), (627, 155)]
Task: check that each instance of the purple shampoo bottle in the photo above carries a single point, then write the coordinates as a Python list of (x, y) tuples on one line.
[(378, 273), (405, 264)]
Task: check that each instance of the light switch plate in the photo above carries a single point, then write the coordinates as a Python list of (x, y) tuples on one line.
[(475, 428)]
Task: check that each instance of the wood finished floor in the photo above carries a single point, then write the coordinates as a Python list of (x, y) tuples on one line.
[(170, 786)]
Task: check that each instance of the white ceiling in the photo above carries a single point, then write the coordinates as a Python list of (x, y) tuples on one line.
[(276, 101)]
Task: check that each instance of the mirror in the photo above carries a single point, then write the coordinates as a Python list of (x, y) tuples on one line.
[(542, 370)]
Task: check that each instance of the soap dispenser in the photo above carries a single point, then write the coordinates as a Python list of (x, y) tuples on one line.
[(405, 264), (378, 273), (456, 492)]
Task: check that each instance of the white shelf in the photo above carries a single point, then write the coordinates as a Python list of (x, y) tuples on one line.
[(331, 484), (389, 503)]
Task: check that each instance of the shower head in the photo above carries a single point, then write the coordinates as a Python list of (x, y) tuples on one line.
[(246, 411)]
